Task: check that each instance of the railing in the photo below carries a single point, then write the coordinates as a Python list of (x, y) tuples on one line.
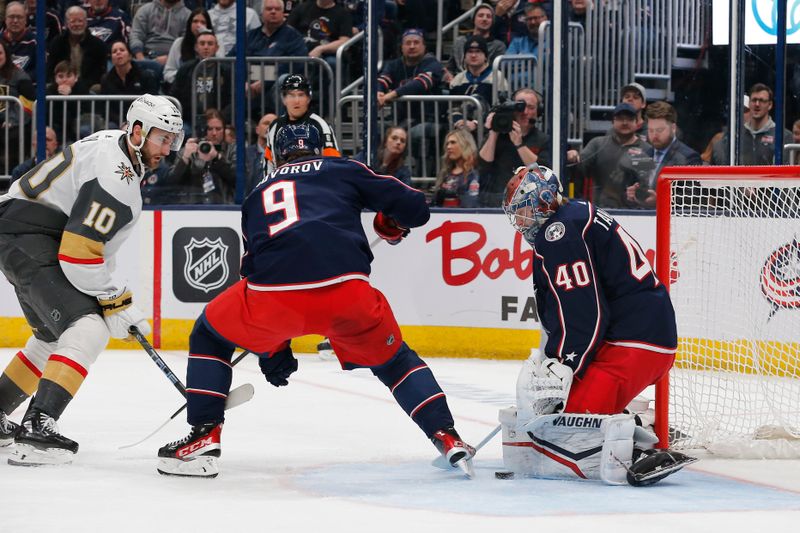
[(652, 26), (266, 71), (12, 137), (518, 70), (691, 19), (422, 133), (350, 88)]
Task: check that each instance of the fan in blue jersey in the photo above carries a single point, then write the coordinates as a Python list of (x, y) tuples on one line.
[(608, 320), (607, 316), (306, 271)]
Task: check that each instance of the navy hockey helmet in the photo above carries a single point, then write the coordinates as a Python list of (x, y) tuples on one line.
[(532, 196), (295, 81), (293, 138)]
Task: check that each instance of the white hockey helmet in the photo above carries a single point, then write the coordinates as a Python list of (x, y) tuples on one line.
[(153, 111)]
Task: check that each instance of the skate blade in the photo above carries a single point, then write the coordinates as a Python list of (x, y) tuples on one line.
[(466, 466), (663, 472), (27, 455), (203, 466)]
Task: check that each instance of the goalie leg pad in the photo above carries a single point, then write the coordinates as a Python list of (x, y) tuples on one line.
[(208, 375), (566, 446), (415, 388)]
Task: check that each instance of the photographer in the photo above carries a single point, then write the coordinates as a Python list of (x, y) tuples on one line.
[(513, 141), (205, 171)]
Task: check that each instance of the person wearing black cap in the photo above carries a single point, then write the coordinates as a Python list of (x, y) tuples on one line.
[(475, 80), (608, 165), (482, 20), (296, 96)]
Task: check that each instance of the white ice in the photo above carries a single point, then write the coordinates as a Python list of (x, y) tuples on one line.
[(333, 452)]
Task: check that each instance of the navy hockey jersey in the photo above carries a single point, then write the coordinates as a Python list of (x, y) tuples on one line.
[(302, 224), (594, 284)]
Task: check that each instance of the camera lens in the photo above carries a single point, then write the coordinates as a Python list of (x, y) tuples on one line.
[(204, 147)]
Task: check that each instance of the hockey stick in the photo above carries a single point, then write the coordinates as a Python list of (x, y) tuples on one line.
[(444, 464), (133, 330)]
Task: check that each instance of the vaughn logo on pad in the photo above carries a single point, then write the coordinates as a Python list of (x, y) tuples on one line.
[(205, 262)]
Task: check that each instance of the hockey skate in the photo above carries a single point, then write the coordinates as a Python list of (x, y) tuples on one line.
[(39, 443), (651, 466), (457, 452), (194, 455), (325, 350), (8, 430)]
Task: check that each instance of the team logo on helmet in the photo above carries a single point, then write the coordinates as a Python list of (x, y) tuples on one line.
[(554, 232), (206, 266), (125, 173), (780, 277)]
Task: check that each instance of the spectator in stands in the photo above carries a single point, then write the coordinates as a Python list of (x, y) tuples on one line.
[(665, 150), (50, 148), (458, 184), (391, 158), (155, 27), (15, 82), (108, 23), (528, 44), (125, 78), (52, 19), (707, 154), (274, 39), (325, 26), (20, 38), (223, 17), (254, 154), (183, 47), (482, 20), (757, 140), (476, 80), (635, 95), (71, 120), (608, 165), (501, 153), (79, 47), (577, 11), (211, 85), (205, 171), (509, 20)]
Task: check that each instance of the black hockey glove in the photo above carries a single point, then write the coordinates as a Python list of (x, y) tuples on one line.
[(279, 367)]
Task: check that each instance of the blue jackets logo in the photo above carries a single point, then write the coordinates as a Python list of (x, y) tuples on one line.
[(780, 277)]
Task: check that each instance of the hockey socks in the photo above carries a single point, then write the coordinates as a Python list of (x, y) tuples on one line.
[(416, 390), (209, 374)]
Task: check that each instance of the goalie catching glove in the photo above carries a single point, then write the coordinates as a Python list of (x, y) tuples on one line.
[(543, 386), (278, 367), (120, 314), (387, 229)]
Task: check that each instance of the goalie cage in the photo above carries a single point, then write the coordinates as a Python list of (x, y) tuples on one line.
[(727, 245)]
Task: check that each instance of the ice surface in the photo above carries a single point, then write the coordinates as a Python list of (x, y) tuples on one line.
[(333, 452)]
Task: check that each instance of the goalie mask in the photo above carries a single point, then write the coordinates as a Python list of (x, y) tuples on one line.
[(532, 196), (294, 140)]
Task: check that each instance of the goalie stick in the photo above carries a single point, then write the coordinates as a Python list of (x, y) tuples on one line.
[(444, 464), (236, 397)]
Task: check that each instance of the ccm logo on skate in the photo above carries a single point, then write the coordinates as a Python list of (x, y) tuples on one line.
[(193, 447), (577, 422)]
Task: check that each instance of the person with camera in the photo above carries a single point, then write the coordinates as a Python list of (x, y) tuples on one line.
[(205, 171), (513, 141)]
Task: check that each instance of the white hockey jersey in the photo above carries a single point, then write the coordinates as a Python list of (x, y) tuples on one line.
[(93, 182)]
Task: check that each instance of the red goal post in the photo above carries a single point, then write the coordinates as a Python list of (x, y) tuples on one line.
[(727, 248)]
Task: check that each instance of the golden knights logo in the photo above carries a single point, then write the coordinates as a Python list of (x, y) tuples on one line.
[(125, 172), (780, 277), (206, 265)]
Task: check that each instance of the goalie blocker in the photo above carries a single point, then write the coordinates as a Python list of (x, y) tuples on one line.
[(575, 446)]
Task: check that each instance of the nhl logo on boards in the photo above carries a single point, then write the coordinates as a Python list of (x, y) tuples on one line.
[(205, 261), (205, 267), (780, 277), (554, 231)]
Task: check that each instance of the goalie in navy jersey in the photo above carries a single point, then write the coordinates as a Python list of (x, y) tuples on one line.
[(609, 332), (306, 271)]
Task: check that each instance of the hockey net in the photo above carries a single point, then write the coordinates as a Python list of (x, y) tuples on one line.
[(727, 244)]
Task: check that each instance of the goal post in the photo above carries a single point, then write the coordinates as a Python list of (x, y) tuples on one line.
[(727, 248)]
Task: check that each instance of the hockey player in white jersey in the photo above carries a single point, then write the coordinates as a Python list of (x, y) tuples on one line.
[(60, 226)]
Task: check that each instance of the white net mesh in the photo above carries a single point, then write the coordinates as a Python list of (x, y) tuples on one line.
[(735, 284)]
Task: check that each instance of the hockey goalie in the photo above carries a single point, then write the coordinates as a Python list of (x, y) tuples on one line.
[(608, 333)]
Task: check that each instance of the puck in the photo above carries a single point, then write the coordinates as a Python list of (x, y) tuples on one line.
[(504, 475)]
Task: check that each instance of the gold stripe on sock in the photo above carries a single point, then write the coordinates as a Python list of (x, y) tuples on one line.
[(22, 376), (64, 375)]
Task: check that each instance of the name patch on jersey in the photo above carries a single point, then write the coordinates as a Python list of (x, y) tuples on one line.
[(298, 168), (578, 421), (554, 231)]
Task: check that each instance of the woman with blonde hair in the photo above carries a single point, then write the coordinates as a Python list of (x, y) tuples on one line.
[(457, 184)]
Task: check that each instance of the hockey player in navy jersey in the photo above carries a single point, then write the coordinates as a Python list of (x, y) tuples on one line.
[(608, 320), (306, 271)]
